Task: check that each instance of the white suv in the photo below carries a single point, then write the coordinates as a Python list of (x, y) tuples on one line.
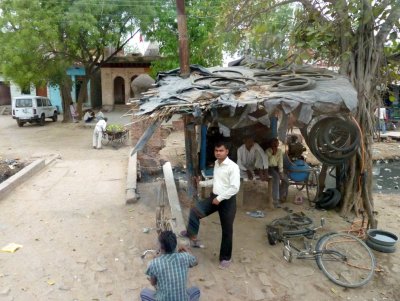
[(28, 108)]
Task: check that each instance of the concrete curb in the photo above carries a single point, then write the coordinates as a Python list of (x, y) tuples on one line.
[(8, 185), (24, 174)]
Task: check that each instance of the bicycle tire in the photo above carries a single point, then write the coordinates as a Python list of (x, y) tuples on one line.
[(357, 266), (312, 187), (321, 151), (349, 128)]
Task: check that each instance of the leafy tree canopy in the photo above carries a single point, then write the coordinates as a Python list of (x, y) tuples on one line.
[(159, 24)]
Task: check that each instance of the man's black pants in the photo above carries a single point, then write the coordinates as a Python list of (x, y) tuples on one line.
[(226, 210)]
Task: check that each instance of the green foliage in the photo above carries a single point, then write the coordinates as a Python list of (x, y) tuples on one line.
[(115, 128), (160, 25), (39, 40)]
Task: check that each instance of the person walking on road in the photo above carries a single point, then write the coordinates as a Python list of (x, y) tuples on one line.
[(168, 272), (98, 132), (226, 184)]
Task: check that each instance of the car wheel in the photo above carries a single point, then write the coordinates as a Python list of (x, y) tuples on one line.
[(20, 123), (42, 120), (55, 116)]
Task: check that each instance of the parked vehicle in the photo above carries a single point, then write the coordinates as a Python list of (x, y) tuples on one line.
[(29, 108)]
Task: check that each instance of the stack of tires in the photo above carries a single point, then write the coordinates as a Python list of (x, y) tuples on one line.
[(381, 241), (333, 140)]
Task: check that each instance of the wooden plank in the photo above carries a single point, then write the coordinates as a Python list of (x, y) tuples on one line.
[(173, 199), (131, 181)]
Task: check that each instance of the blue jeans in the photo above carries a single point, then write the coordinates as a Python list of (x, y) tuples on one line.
[(382, 125), (149, 295), (280, 186), (226, 210)]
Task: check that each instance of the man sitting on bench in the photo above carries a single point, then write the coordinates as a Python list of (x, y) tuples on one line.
[(251, 159)]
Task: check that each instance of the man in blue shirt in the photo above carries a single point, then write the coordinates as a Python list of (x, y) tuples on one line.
[(168, 272)]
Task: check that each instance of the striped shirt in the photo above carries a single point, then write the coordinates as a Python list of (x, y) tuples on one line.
[(171, 272)]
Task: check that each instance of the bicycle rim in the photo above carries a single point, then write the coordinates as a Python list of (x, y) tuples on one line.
[(355, 270)]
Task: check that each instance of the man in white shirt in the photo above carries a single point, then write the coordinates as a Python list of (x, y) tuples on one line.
[(380, 113), (226, 184), (98, 132), (251, 157)]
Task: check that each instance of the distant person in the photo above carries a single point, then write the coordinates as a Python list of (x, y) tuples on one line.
[(280, 181), (168, 272), (98, 132), (99, 115), (89, 116), (251, 159), (74, 114), (381, 115), (226, 184)]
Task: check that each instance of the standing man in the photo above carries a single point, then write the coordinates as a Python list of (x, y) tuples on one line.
[(280, 182), (251, 158), (226, 184), (98, 132), (380, 113), (168, 273)]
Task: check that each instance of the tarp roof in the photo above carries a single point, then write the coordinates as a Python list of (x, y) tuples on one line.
[(329, 94)]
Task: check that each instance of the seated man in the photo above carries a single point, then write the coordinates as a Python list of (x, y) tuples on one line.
[(251, 159), (89, 116), (99, 115), (280, 182), (168, 273)]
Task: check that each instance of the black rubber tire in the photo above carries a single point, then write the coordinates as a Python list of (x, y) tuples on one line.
[(20, 123), (318, 146), (348, 126), (319, 243), (272, 235), (285, 85), (371, 236), (42, 120), (55, 117), (291, 228), (216, 83), (379, 247), (233, 72), (330, 200), (348, 248)]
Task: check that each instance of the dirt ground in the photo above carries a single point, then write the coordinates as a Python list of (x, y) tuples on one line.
[(82, 242)]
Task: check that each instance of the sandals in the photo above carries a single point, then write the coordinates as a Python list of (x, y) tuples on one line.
[(224, 264), (256, 214), (194, 243)]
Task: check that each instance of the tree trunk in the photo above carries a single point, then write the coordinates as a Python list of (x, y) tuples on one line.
[(65, 91), (82, 95)]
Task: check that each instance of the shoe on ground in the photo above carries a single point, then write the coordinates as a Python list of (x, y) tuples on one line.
[(225, 264)]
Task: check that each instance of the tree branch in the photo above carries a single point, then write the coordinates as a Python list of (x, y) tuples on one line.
[(393, 17)]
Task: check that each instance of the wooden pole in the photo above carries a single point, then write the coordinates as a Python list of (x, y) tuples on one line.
[(183, 39), (191, 154)]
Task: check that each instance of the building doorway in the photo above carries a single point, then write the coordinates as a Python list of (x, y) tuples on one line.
[(119, 90), (5, 94)]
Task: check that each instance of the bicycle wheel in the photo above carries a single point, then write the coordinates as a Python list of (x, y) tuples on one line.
[(345, 259), (312, 186)]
